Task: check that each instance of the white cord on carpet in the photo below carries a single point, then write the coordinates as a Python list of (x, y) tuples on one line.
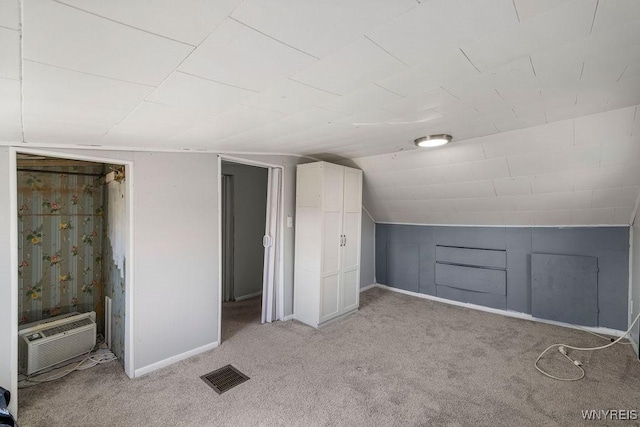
[(562, 348), (102, 355)]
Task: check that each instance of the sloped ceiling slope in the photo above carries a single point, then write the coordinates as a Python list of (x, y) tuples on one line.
[(582, 171), (339, 79)]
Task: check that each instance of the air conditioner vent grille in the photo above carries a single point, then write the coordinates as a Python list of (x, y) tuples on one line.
[(66, 327)]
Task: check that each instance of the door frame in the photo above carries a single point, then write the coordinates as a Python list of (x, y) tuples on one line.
[(279, 287), (129, 349), (227, 236)]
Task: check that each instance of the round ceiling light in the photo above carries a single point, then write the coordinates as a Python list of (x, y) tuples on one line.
[(433, 140)]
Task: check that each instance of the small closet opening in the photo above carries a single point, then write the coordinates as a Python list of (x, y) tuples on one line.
[(72, 240)]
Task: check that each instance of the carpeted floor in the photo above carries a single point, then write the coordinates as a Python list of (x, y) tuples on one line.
[(399, 360)]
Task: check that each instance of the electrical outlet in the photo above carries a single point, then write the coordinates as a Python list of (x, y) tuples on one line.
[(289, 221)]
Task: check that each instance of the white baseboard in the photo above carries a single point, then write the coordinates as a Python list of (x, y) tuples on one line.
[(366, 288), (289, 317), (173, 359), (634, 344), (255, 294), (516, 314)]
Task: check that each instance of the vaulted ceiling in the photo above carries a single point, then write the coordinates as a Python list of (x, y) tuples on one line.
[(539, 95)]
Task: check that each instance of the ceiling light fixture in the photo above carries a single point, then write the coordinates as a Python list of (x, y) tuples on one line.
[(433, 140)]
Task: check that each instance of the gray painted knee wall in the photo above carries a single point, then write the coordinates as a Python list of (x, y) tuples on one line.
[(423, 259)]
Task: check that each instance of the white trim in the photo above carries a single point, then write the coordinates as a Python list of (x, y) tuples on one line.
[(249, 162), (368, 214), (515, 314), (39, 145), (288, 317), (506, 226), (173, 359), (634, 212), (219, 198), (630, 296), (129, 277), (280, 288), (244, 297), (13, 277), (634, 344), (366, 288)]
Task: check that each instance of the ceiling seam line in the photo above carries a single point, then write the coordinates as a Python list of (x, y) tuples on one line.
[(89, 74), (271, 37), (11, 29), (443, 88), (470, 61), (595, 12), (216, 81), (149, 94), (532, 67), (313, 87), (389, 90), (122, 23), (386, 51), (516, 10), (622, 74)]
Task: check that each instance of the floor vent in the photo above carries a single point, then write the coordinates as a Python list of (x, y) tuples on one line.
[(224, 379)]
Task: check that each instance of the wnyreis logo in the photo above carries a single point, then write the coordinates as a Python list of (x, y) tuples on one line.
[(610, 414)]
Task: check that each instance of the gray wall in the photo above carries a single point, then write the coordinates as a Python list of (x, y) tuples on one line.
[(406, 259), (367, 251), (250, 210)]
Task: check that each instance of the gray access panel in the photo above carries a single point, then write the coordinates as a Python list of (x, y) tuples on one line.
[(564, 288)]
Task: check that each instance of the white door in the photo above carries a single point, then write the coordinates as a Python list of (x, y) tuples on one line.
[(272, 225), (330, 295), (351, 239)]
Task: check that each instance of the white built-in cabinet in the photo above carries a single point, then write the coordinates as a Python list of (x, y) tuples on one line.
[(327, 246)]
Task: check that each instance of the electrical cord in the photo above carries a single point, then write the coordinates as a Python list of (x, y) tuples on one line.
[(562, 348), (102, 355), (601, 336)]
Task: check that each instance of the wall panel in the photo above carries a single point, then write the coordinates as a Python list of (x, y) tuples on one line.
[(396, 246)]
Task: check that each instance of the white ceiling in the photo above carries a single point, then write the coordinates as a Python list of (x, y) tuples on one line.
[(539, 95)]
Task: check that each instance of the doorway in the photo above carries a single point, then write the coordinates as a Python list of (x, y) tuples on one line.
[(73, 245), (250, 229)]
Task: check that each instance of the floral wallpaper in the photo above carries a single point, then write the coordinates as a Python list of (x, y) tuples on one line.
[(60, 232)]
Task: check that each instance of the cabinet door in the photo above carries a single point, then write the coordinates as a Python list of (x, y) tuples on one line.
[(351, 231), (330, 295)]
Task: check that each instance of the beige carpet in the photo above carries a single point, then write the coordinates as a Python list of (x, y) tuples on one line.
[(399, 360)]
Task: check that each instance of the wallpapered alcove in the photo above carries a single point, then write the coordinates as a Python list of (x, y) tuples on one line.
[(69, 252)]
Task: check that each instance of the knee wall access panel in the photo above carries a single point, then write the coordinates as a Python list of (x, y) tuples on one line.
[(565, 288)]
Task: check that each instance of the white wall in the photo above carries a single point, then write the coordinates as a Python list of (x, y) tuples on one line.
[(176, 254), (367, 251), (8, 300), (250, 211)]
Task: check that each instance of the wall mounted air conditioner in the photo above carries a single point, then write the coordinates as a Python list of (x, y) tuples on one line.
[(47, 343)]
